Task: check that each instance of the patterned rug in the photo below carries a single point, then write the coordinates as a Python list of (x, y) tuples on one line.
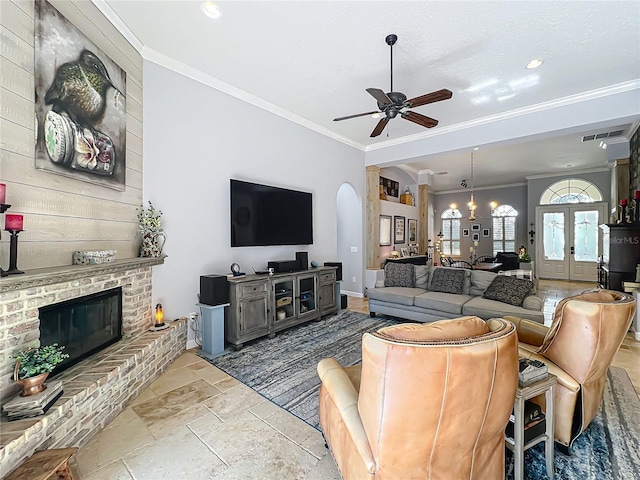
[(283, 370)]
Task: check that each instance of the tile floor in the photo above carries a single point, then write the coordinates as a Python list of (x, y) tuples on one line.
[(196, 422)]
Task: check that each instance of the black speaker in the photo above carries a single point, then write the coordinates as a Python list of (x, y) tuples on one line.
[(338, 272), (303, 260), (214, 289)]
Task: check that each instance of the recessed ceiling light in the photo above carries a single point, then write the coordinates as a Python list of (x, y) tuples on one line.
[(375, 115), (211, 10), (535, 63)]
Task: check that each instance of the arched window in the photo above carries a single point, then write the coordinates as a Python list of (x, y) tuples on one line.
[(451, 231), (504, 229), (572, 190)]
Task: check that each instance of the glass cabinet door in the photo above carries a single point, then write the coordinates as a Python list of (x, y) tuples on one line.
[(283, 295), (307, 302)]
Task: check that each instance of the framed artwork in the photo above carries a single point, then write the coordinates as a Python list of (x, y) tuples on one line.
[(475, 227), (486, 232), (398, 229), (465, 232), (389, 187), (385, 230), (475, 236), (404, 252), (80, 104), (412, 227)]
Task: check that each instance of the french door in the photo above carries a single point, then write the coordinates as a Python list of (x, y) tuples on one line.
[(569, 241)]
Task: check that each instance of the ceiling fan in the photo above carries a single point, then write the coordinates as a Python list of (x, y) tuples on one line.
[(391, 104)]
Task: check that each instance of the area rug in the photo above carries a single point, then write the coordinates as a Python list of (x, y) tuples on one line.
[(283, 370)]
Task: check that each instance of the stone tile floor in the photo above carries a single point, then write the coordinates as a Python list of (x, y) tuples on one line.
[(196, 422)]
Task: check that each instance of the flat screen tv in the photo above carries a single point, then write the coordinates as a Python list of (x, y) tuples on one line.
[(263, 215)]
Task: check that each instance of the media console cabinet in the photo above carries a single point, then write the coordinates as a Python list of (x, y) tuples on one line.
[(262, 305)]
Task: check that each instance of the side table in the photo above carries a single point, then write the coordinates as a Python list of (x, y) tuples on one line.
[(517, 444), (634, 289)]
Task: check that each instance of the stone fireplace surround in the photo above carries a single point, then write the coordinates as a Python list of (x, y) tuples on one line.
[(98, 388)]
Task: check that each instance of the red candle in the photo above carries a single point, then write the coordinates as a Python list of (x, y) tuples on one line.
[(3, 193), (635, 196), (623, 202), (12, 222)]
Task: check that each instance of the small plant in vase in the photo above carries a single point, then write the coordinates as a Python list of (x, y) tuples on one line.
[(34, 365), (150, 227)]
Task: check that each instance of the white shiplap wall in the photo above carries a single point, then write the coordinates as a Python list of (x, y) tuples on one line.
[(63, 214)]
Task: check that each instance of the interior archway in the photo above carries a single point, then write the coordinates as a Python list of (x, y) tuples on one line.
[(349, 241)]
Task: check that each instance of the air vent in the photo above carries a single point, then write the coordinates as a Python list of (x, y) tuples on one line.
[(598, 136)]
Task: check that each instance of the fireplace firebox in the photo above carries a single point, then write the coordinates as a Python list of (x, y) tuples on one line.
[(83, 325)]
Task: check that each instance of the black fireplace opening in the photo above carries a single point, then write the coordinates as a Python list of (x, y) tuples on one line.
[(83, 325)]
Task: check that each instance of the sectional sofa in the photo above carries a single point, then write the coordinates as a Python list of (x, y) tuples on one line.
[(430, 293)]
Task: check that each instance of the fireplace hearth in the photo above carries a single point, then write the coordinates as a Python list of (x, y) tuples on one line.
[(97, 388)]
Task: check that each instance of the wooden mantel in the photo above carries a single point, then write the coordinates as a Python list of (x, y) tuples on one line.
[(65, 273)]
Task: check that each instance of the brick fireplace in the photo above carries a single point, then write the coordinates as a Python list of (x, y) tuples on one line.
[(97, 388)]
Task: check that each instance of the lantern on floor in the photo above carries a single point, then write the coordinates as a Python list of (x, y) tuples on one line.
[(159, 316)]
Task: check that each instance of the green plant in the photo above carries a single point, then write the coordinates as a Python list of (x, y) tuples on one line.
[(37, 360), (525, 257), (149, 220)]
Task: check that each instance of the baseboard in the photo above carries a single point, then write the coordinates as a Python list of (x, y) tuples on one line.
[(192, 344), (352, 294), (637, 336)]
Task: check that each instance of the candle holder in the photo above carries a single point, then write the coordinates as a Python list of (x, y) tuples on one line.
[(13, 254), (3, 208)]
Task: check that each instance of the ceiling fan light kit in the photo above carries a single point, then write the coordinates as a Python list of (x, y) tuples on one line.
[(392, 104)]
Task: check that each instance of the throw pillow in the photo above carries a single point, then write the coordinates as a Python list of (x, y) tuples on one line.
[(399, 275), (509, 290), (422, 276), (448, 280)]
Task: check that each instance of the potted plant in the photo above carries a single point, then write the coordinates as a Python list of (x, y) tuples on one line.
[(150, 227), (33, 366), (525, 261)]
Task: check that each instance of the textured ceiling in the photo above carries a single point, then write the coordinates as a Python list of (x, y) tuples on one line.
[(314, 60)]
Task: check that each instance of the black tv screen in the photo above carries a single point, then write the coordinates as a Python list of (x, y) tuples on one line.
[(263, 215)]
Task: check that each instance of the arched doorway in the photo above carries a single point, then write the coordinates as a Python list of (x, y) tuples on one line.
[(349, 242), (568, 217)]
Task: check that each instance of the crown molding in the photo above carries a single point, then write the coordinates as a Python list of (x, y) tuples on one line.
[(408, 168), (476, 189), (540, 107), (117, 22), (180, 68), (615, 140), (568, 173)]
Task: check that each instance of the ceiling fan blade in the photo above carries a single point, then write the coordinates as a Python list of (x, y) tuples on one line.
[(420, 119), (432, 97), (379, 95), (355, 116), (380, 127)]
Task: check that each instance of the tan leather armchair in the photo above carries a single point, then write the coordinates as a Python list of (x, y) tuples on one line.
[(578, 348), (429, 401)]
